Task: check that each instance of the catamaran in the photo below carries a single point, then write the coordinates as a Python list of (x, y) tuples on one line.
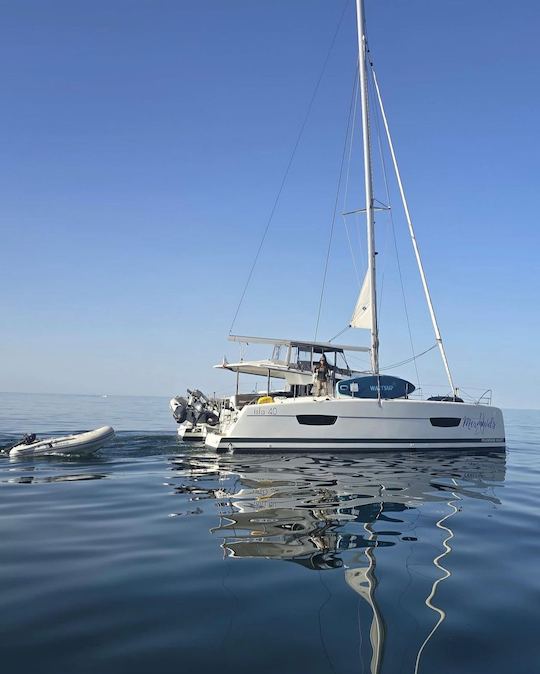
[(363, 410)]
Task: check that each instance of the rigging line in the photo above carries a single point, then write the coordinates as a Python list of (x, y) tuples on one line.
[(319, 618), (384, 246), (347, 327), (332, 225), (389, 204), (289, 163), (353, 258), (414, 242), (347, 177), (408, 360)]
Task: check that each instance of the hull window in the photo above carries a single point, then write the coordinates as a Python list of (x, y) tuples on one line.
[(316, 419), (445, 422)]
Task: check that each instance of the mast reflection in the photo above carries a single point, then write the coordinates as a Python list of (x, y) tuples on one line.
[(342, 513)]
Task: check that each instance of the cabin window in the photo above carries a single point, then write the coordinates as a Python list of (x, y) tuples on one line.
[(304, 359), (316, 419), (277, 353), (445, 422)]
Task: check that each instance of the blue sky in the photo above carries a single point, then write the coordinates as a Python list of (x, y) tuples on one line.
[(143, 144)]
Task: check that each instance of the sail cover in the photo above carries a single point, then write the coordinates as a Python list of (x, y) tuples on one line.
[(361, 317)]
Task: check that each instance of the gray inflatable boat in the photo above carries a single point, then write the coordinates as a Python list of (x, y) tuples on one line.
[(80, 444)]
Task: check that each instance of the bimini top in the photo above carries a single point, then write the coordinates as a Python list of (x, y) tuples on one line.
[(318, 347), (269, 368)]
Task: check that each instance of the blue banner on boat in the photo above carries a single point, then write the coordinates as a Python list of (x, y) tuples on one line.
[(369, 386)]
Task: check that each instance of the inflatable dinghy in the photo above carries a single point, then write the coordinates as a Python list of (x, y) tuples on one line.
[(80, 444)]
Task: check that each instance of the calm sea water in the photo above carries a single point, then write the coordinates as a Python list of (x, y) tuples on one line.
[(157, 557)]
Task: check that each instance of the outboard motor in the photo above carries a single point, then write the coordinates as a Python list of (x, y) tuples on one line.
[(198, 406), (197, 409), (209, 417), (179, 407), (27, 439), (197, 397)]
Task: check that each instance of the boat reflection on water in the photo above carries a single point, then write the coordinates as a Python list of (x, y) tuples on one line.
[(381, 519)]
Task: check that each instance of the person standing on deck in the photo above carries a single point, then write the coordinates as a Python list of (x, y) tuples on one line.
[(321, 372)]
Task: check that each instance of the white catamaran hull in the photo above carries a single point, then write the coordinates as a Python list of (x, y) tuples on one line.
[(319, 424), (190, 433)]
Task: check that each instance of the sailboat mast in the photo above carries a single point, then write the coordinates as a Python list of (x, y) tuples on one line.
[(362, 67)]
